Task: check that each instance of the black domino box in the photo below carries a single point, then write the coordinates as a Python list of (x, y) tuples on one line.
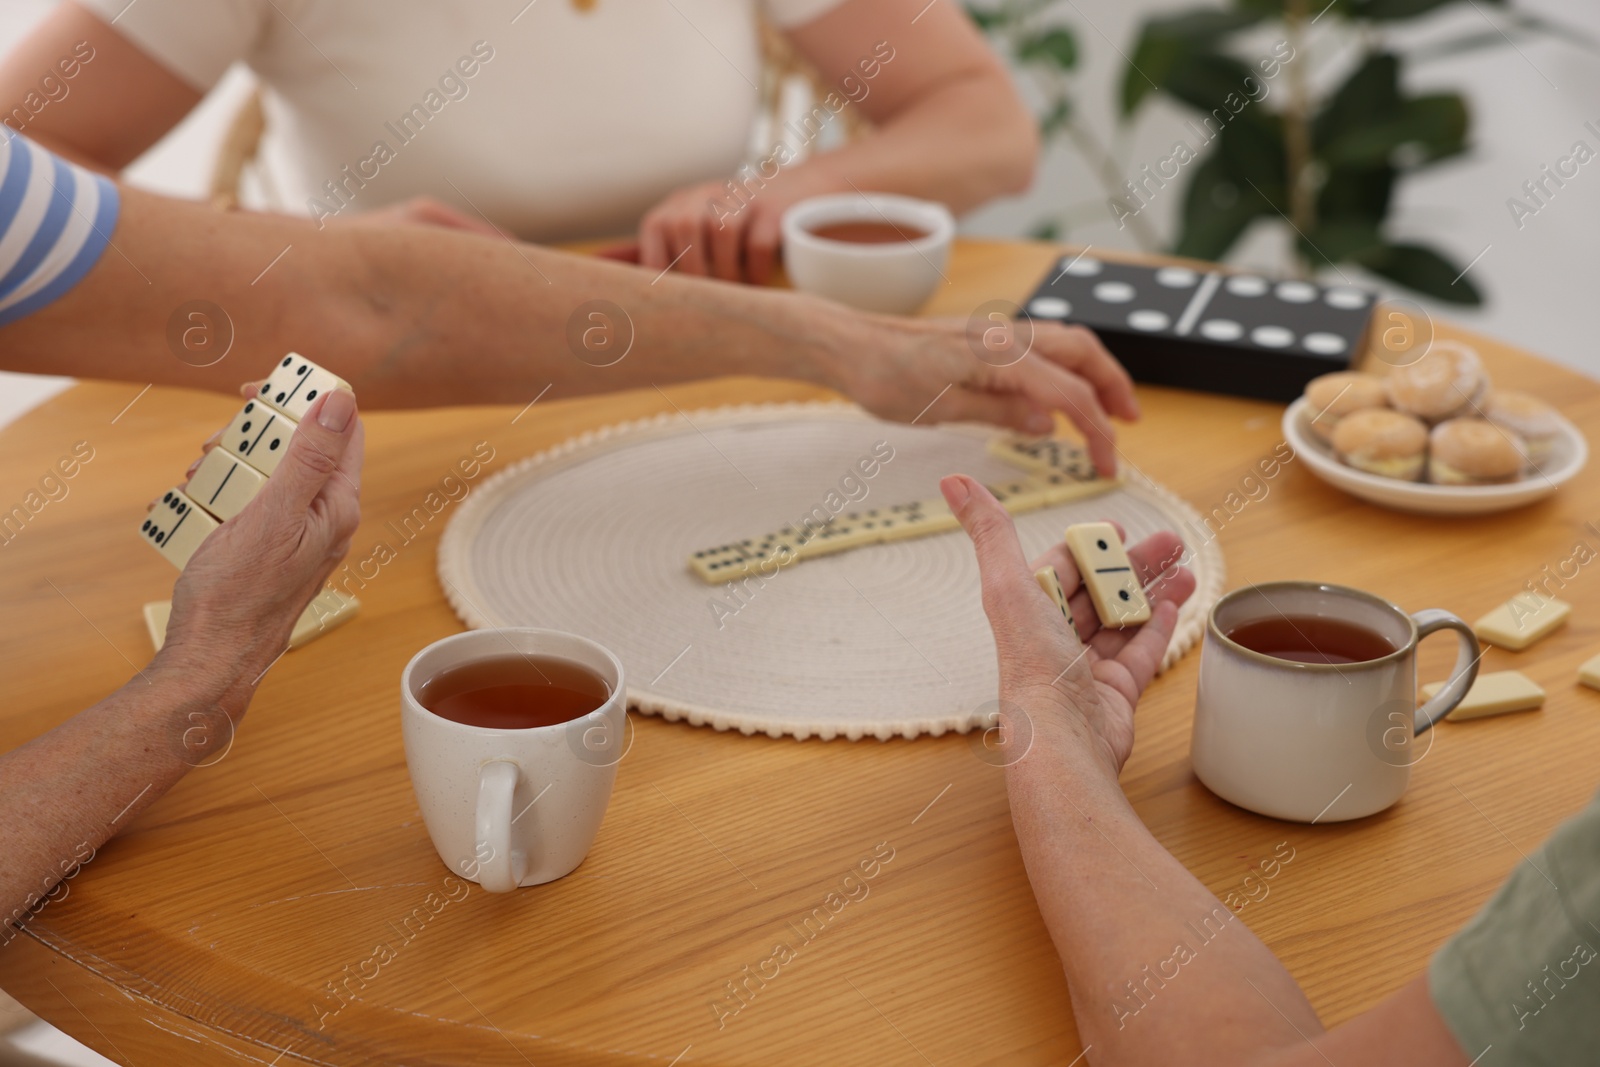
[(1239, 334)]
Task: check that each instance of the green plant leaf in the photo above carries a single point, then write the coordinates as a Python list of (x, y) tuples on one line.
[(1208, 82), (1352, 195), (1253, 152), (1421, 270), (1336, 242), (1436, 125), (1370, 95), (1045, 230), (1056, 45), (1164, 42), (1216, 211)]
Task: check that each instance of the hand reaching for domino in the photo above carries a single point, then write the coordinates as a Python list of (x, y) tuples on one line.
[(250, 577), (1044, 666)]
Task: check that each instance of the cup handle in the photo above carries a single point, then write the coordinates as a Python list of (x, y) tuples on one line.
[(1461, 678), (500, 870)]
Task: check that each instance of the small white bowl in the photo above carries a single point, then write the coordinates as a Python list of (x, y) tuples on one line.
[(895, 277), (1568, 453)]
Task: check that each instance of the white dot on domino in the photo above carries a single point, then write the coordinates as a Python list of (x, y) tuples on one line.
[(1049, 307), (1081, 266), (1348, 299), (1296, 292), (1149, 320), (1176, 277), (1323, 344), (1113, 292), (1247, 285), (1272, 336), (1221, 330)]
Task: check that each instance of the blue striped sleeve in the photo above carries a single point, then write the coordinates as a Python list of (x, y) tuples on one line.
[(56, 220)]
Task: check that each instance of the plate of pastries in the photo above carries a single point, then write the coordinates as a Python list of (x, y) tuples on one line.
[(1433, 436)]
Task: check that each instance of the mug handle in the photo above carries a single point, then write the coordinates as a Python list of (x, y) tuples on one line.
[(503, 869), (1465, 673)]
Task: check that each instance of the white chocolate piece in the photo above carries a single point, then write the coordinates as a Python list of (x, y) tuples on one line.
[(176, 527), (1521, 621), (156, 614), (295, 382), (1495, 693), (1589, 673), (223, 484), (1108, 574), (259, 436), (329, 609)]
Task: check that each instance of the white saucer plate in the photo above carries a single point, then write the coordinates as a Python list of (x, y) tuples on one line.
[(1568, 454)]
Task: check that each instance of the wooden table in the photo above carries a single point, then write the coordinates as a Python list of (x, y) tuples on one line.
[(212, 929)]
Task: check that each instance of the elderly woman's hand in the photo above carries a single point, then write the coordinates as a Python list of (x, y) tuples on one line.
[(708, 230), (1087, 687), (237, 600), (1012, 374)]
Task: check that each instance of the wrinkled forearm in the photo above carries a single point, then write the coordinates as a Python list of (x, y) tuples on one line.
[(1118, 906), (410, 315), (68, 791), (910, 154)]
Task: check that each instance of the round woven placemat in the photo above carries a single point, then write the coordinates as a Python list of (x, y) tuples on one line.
[(592, 537)]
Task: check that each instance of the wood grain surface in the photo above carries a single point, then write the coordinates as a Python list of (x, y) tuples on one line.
[(285, 905)]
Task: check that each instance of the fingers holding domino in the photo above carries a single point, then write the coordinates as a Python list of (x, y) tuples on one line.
[(1156, 562), (1167, 586), (1126, 658), (1012, 598), (188, 474), (248, 390), (205, 448)]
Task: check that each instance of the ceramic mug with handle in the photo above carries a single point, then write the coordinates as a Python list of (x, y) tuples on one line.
[(513, 807), (1318, 742)]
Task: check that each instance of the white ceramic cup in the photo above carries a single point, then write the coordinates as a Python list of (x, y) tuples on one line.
[(1314, 742), (478, 787), (895, 277)]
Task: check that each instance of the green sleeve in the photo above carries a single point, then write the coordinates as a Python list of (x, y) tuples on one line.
[(1520, 983)]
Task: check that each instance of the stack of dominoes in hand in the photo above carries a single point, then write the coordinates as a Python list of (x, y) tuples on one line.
[(1058, 471), (229, 477)]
